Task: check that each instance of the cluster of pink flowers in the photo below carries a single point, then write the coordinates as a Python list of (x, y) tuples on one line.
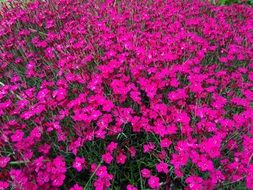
[(165, 85)]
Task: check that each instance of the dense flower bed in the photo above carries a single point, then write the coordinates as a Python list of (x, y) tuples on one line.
[(126, 95)]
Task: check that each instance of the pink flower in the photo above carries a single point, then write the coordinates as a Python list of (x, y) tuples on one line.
[(44, 148), (249, 177), (17, 136), (95, 114), (172, 129), (76, 187), (103, 183), (49, 52), (162, 155), (153, 182), (99, 184), (27, 115), (111, 147), (179, 160), (194, 182), (59, 164), (102, 172), (121, 158), (132, 151), (107, 105), (182, 118), (148, 147), (205, 164), (165, 143), (42, 94), (36, 133), (18, 176), (107, 158), (135, 95), (130, 187), (60, 94), (145, 173), (177, 95), (4, 161), (42, 177), (4, 185), (57, 179), (78, 163), (212, 146), (38, 163), (162, 167)]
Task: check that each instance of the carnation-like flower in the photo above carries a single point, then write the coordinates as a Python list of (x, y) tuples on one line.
[(107, 158), (79, 163), (154, 182), (4, 161), (162, 167), (145, 173)]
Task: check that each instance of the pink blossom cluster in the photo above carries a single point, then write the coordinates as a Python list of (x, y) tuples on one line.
[(169, 82)]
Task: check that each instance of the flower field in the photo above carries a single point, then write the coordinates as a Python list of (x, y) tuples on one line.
[(126, 95)]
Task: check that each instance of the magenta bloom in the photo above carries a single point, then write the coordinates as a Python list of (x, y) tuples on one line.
[(131, 187), (76, 187), (4, 161), (107, 158), (153, 182), (132, 151), (162, 167), (145, 173), (78, 163), (18, 136), (165, 143), (121, 158), (194, 182), (4, 185), (148, 147), (111, 147)]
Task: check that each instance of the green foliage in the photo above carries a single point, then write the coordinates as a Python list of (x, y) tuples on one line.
[(229, 2)]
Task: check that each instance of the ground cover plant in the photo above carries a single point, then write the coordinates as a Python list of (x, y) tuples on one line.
[(126, 95)]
